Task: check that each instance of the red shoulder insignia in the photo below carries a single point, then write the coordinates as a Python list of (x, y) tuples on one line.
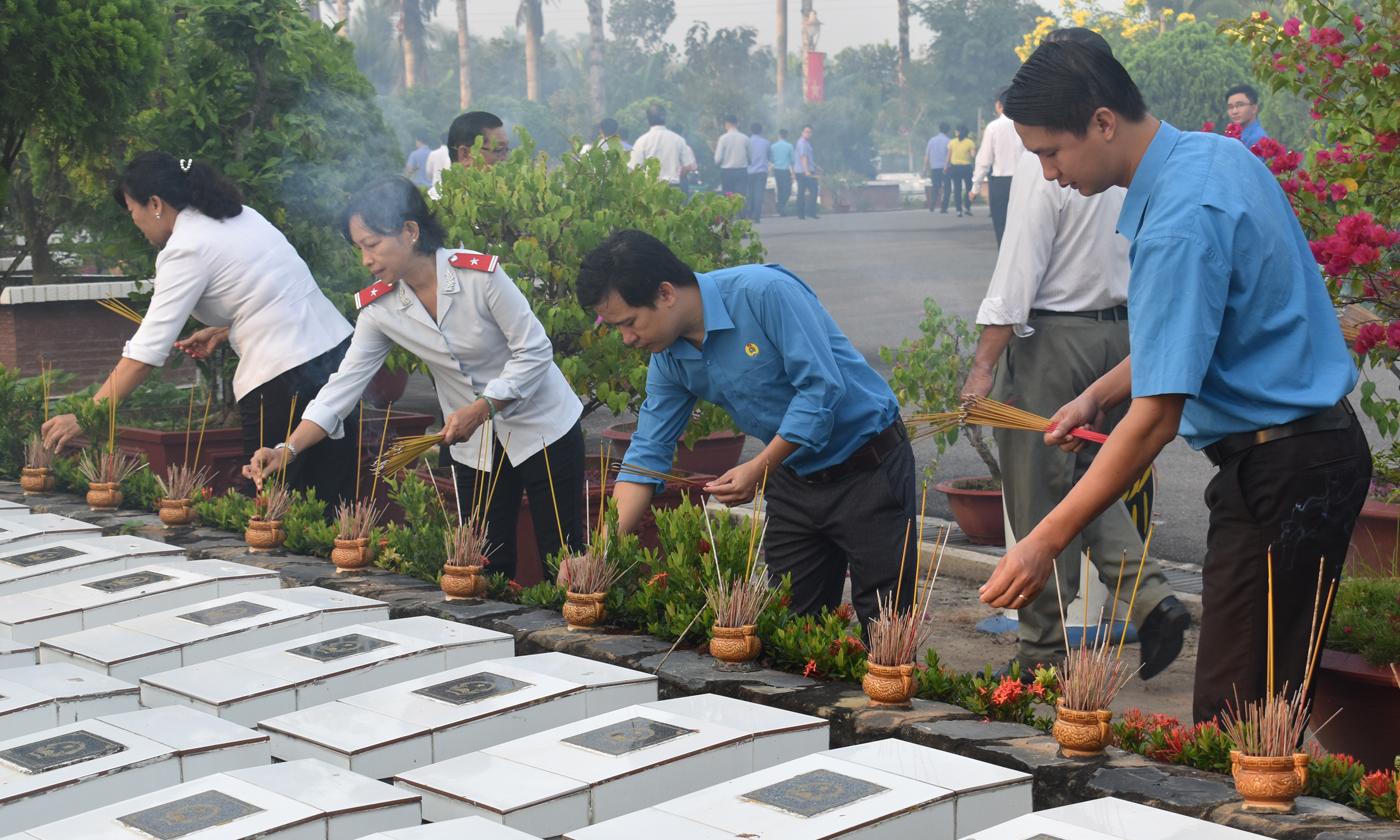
[(364, 297), (476, 262)]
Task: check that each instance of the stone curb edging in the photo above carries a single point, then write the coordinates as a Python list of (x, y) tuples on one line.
[(1057, 781)]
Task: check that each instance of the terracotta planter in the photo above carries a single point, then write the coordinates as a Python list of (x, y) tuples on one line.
[(714, 454), (841, 208), (978, 512), (349, 555), (889, 685), (1082, 733), (585, 610), (176, 512), (36, 479), (735, 644), (104, 496), (263, 535), (386, 386), (1269, 784), (1359, 702), (462, 582), (1374, 541)]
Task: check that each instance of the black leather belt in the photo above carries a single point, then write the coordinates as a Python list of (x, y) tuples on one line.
[(1113, 313), (1338, 416), (867, 458)]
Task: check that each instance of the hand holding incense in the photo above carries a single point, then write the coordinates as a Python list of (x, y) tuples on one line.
[(983, 411)]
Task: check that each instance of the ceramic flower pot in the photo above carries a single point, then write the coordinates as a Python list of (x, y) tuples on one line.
[(1082, 733), (584, 610), (263, 535), (889, 685), (1269, 784), (460, 582), (104, 496), (349, 555), (36, 479), (735, 644), (176, 512)]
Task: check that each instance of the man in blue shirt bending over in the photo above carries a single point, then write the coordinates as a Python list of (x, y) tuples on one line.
[(1235, 346), (755, 341)]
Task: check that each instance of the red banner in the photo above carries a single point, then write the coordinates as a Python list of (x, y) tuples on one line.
[(815, 75)]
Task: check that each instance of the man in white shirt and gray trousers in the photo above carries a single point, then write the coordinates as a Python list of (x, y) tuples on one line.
[(1055, 319), (733, 154), (663, 144), (996, 163)]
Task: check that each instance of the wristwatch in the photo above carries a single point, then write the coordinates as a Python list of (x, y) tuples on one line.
[(289, 448)]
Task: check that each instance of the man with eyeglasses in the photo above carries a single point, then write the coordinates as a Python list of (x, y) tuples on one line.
[(461, 143), (1242, 106)]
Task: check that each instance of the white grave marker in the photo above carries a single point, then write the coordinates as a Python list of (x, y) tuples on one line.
[(467, 828), (613, 764), (299, 674), (13, 510), (445, 715), (42, 529), (138, 647), (28, 567), (84, 765), (17, 654), (41, 697), (1131, 821), (38, 614)]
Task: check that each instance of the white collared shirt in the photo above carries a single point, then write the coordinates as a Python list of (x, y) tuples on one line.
[(1061, 251), (1001, 149), (243, 274), (666, 146), (486, 341), (733, 150), (438, 160)]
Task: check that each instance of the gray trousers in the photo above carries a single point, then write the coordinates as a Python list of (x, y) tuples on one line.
[(1039, 374)]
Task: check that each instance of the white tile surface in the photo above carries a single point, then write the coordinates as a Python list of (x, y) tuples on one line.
[(462, 642), (22, 709), (468, 828), (78, 694), (779, 735), (525, 798), (1131, 821), (203, 743), (610, 686), (11, 510), (649, 823), (352, 804), (43, 528), (1027, 827), (89, 556), (17, 654)]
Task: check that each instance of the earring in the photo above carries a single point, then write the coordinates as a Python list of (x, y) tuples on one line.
[(157, 215)]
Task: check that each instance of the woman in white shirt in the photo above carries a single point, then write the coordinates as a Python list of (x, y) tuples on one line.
[(490, 359), (230, 268)]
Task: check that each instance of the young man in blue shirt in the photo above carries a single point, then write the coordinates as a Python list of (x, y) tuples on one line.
[(1235, 346), (1242, 107), (784, 156), (755, 341)]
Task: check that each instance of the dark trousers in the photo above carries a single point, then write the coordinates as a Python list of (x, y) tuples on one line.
[(817, 531), (998, 196), (783, 181), (939, 183), (959, 182), (758, 189), (734, 181), (1298, 498), (267, 412), (806, 185), (530, 479)]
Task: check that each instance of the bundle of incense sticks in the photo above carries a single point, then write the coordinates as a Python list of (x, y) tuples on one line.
[(983, 411), (922, 426), (275, 501), (643, 471), (37, 456), (403, 453), (897, 634), (181, 482), (739, 602), (111, 304), (356, 519)]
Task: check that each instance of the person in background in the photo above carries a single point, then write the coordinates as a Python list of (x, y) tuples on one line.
[(1055, 319), (760, 161), (688, 165), (936, 161), (959, 169), (1235, 346), (607, 135), (490, 359), (663, 144), (996, 162), (416, 168), (462, 136), (1242, 107), (807, 171), (438, 160), (733, 156), (755, 341), (225, 265), (784, 157)]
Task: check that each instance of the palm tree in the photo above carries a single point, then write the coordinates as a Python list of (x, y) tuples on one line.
[(903, 38), (464, 66), (595, 59), (531, 14), (782, 56), (342, 8), (413, 18)]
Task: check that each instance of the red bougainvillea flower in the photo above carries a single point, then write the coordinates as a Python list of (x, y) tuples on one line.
[(1210, 126), (1337, 59), (1233, 130), (1380, 71), (1292, 27), (1367, 337), (1386, 141), (1262, 15), (1326, 37), (1356, 21)]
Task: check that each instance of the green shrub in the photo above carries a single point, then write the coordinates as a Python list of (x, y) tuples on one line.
[(1004, 699), (417, 548), (828, 645), (1366, 620)]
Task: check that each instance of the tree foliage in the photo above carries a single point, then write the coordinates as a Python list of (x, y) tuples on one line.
[(974, 50)]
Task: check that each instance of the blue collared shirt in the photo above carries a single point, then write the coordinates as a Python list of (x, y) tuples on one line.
[(776, 361), (1252, 133), (760, 150), (1225, 302), (804, 149), (937, 150), (783, 155)]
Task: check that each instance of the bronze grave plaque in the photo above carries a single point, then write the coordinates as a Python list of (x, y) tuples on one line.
[(224, 613), (184, 817), (471, 688), (817, 792), (59, 751), (340, 647), (628, 736), (39, 556), (131, 580)]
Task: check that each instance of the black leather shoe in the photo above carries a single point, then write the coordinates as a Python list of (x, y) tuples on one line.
[(1161, 636)]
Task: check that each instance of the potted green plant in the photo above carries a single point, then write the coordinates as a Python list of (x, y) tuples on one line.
[(710, 444), (928, 375), (842, 186), (1376, 537), (1355, 677)]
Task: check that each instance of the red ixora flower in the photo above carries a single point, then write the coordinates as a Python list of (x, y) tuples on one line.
[(1292, 27), (1008, 692), (659, 581), (811, 669), (846, 612), (1378, 784), (703, 547), (514, 587)]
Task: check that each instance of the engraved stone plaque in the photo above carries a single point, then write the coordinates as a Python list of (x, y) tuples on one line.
[(472, 688), (225, 613), (59, 751), (184, 817), (121, 583), (628, 736), (1043, 836), (40, 556), (340, 647), (815, 793)]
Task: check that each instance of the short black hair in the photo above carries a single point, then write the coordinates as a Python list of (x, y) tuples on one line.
[(782, 132), (422, 135), (633, 264), (807, 126), (1247, 90), (756, 128), (656, 115), (385, 205), (944, 128), (1063, 84), (1079, 35), (730, 119), (179, 183), (962, 129), (467, 127), (607, 126), (1001, 96)]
